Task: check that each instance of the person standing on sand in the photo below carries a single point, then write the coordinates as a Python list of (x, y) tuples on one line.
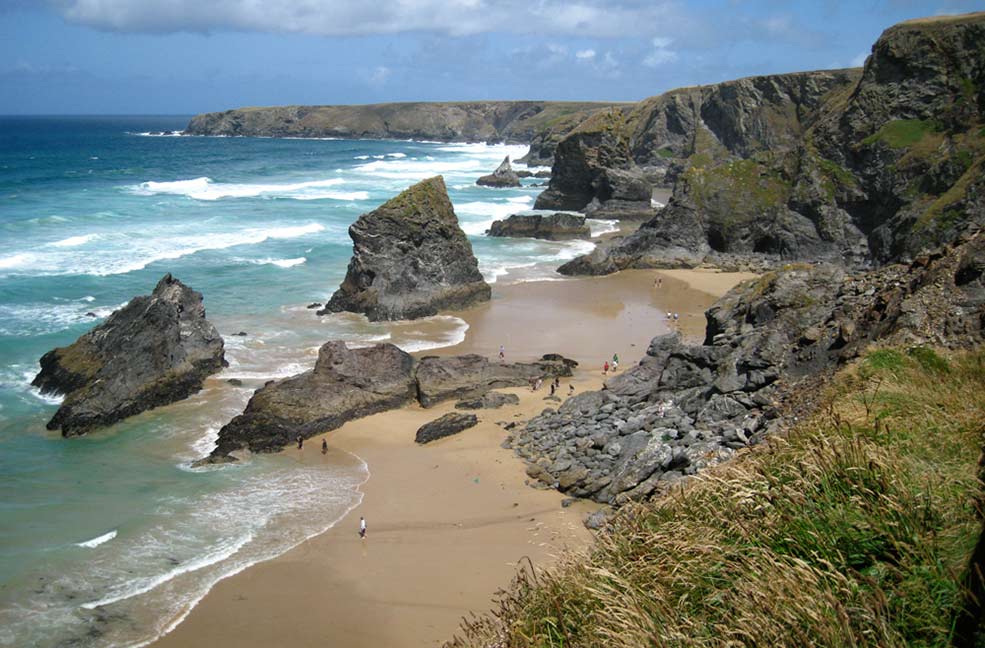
[(502, 354), (605, 368), (571, 389), (300, 442), (362, 528), (615, 361), (324, 446)]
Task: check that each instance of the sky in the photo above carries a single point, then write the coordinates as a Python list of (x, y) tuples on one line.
[(192, 56)]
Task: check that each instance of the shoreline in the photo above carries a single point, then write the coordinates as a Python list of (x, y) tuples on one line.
[(433, 509)]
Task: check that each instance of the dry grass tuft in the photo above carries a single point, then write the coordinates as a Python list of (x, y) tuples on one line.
[(853, 530)]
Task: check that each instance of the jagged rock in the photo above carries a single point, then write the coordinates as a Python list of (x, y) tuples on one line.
[(441, 378), (556, 227), (313, 305), (503, 176), (596, 520), (845, 166), (156, 350), (345, 384), (447, 425), (622, 195), (489, 400), (235, 382), (686, 407), (410, 259)]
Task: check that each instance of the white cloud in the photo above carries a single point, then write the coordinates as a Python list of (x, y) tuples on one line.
[(585, 55), (661, 52), (597, 18), (379, 75)]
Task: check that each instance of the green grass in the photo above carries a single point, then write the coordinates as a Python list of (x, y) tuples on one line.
[(902, 133), (853, 530)]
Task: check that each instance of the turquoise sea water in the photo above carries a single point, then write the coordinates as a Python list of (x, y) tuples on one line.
[(111, 538)]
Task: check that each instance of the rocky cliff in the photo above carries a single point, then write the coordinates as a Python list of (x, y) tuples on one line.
[(518, 122), (156, 350), (685, 407), (849, 166), (410, 259), (503, 176)]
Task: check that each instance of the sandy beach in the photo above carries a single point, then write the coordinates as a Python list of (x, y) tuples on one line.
[(449, 522)]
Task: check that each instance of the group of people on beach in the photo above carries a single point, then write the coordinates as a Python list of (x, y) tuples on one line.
[(324, 444), (614, 366), (555, 387)]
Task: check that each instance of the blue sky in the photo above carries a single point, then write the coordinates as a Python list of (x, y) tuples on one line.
[(190, 56)]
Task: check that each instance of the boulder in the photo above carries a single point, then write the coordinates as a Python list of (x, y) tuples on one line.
[(489, 400), (156, 350), (345, 384), (503, 176), (410, 259), (556, 227), (447, 425), (441, 378)]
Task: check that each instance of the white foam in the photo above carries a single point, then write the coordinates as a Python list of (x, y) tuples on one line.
[(95, 542), (73, 241), (280, 263), (19, 260), (204, 188), (286, 371), (88, 298), (144, 585), (141, 251), (396, 155), (450, 338), (599, 227)]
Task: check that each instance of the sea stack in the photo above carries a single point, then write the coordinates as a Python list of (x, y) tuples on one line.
[(410, 259), (503, 176), (156, 350)]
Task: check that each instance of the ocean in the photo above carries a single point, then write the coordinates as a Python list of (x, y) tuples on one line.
[(110, 539)]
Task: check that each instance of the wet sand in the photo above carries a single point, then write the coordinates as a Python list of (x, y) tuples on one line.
[(451, 521)]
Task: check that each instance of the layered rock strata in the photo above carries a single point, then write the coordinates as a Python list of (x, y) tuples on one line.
[(685, 407), (410, 259), (156, 350), (555, 227), (857, 167)]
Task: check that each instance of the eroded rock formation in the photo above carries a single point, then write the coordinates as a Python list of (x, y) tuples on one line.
[(156, 350)]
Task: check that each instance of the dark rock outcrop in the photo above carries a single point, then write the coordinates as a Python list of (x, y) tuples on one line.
[(447, 425), (685, 407), (503, 176), (489, 400), (410, 259), (440, 378), (555, 227), (156, 350), (858, 167), (345, 384)]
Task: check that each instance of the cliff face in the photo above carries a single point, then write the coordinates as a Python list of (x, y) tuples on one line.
[(489, 121), (847, 166)]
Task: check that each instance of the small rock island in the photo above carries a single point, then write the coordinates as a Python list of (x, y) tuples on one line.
[(410, 259), (156, 350)]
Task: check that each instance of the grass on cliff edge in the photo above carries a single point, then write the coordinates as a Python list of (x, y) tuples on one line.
[(853, 530)]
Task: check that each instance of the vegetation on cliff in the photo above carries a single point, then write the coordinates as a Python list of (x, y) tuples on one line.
[(857, 528)]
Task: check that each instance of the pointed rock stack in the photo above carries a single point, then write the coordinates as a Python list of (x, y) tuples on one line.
[(503, 176), (156, 350), (410, 259)]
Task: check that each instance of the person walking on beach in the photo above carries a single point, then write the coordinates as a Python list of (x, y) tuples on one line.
[(324, 446), (615, 362), (553, 388), (362, 528), (300, 442), (502, 354), (605, 368), (571, 389)]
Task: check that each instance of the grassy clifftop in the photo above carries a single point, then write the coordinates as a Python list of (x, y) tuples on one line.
[(855, 529)]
